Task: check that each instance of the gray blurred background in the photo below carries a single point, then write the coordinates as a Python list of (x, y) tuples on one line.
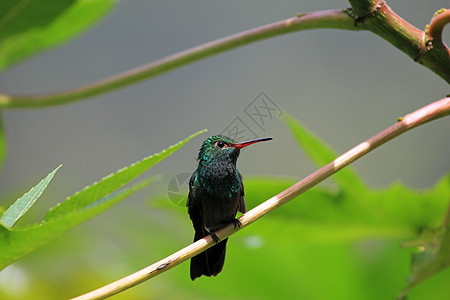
[(345, 86)]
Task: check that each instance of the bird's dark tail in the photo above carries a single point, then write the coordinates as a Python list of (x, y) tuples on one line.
[(209, 262)]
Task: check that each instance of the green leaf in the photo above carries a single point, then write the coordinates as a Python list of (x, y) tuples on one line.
[(408, 207), (321, 154), (433, 256), (357, 211), (323, 215), (78, 208), (24, 203), (30, 26), (112, 182), (320, 215), (17, 243)]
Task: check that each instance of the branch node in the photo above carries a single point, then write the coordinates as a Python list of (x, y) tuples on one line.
[(426, 48), (433, 33), (162, 266), (360, 19)]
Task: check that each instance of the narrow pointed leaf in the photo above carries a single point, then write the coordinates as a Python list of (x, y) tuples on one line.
[(24, 203), (111, 182), (321, 154)]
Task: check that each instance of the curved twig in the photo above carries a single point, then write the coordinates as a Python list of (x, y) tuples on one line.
[(421, 116), (322, 19), (437, 24)]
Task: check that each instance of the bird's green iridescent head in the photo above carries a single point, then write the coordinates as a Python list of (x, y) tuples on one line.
[(219, 148)]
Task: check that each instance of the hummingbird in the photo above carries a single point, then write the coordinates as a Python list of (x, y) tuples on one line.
[(216, 194)]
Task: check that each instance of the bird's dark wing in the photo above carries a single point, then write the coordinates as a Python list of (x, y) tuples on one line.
[(194, 208), (241, 205), (209, 262), (193, 191)]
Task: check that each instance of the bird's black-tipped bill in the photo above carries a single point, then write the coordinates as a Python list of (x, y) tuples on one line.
[(247, 143)]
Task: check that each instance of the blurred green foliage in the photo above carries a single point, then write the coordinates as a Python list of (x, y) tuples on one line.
[(83, 205), (338, 242), (30, 26)]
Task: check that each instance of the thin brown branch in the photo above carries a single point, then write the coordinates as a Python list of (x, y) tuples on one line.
[(430, 112), (437, 24)]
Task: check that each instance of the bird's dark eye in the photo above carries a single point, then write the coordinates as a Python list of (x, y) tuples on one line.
[(220, 144)]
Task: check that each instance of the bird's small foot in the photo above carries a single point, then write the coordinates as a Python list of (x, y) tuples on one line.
[(214, 237), (237, 223)]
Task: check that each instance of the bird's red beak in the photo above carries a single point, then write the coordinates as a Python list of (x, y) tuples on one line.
[(246, 143)]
